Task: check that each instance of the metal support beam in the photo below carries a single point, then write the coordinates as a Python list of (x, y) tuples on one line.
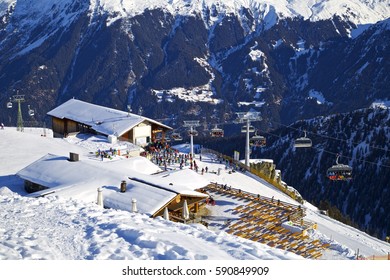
[(191, 125), (18, 99), (247, 117)]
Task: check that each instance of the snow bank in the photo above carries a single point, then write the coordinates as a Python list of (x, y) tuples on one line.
[(52, 228)]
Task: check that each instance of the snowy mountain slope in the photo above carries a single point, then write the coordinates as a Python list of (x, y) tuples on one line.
[(361, 138), (356, 11), (57, 229), (60, 227), (31, 15), (185, 59)]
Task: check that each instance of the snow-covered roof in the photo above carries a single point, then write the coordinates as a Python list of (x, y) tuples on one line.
[(149, 199), (82, 178), (104, 120), (181, 181)]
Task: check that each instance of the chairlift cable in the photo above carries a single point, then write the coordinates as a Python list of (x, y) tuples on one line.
[(341, 156), (331, 138)]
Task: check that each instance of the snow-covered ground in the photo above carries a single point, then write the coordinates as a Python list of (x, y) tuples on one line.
[(62, 227)]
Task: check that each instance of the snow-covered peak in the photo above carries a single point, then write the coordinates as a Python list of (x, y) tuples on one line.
[(357, 11), (50, 13)]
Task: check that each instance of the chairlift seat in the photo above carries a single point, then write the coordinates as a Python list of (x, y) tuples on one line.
[(193, 133), (303, 142), (251, 129), (176, 137), (257, 141), (217, 132), (339, 172)]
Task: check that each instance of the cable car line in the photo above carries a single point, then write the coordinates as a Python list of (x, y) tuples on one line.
[(308, 143)]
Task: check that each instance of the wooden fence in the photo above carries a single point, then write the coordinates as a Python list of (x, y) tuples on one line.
[(240, 166)]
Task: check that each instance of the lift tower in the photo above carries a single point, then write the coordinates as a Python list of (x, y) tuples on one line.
[(248, 117), (17, 99), (192, 132)]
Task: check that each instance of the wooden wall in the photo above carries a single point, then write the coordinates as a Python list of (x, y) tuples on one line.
[(62, 127)]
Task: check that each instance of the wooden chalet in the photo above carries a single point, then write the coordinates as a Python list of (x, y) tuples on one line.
[(75, 116)]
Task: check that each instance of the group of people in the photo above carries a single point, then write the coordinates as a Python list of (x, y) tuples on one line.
[(165, 156), (106, 154)]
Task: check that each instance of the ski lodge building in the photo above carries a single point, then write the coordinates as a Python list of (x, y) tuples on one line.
[(75, 116), (120, 184)]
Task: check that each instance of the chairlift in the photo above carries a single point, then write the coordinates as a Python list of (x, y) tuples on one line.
[(251, 129), (192, 132), (303, 142), (9, 104), (30, 111), (257, 141), (217, 132), (158, 137), (339, 172), (176, 136)]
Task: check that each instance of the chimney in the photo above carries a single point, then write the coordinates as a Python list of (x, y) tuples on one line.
[(73, 157), (123, 186)]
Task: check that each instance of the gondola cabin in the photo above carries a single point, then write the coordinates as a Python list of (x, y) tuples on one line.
[(257, 141)]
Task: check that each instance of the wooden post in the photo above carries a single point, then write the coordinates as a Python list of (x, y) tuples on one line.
[(100, 197), (123, 186), (134, 205), (196, 210)]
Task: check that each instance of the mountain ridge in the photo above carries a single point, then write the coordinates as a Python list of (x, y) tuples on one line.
[(211, 63)]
